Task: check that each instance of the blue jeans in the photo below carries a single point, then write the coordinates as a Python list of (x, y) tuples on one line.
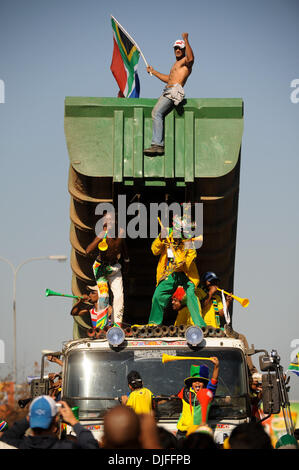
[(162, 107)]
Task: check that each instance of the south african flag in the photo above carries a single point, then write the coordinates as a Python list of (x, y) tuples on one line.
[(294, 366), (124, 62)]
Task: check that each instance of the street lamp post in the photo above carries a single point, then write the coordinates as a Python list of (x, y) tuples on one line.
[(15, 270)]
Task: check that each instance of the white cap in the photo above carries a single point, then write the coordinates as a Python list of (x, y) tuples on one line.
[(257, 376), (179, 43)]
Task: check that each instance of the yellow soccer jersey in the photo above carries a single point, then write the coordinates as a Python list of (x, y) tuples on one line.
[(140, 400), (208, 314)]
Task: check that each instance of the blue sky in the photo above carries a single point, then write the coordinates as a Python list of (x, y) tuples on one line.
[(49, 50)]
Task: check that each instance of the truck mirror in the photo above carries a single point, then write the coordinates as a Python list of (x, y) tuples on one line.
[(250, 351), (271, 396)]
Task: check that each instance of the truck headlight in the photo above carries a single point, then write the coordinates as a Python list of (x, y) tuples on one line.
[(194, 335), (115, 336)]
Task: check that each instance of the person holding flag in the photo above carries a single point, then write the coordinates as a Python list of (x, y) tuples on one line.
[(173, 94)]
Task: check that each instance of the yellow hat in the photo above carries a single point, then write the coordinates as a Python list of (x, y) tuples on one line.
[(204, 428)]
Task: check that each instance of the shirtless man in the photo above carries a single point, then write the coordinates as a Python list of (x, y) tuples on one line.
[(173, 94), (107, 270)]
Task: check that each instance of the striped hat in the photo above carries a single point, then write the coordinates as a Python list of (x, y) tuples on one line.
[(197, 372)]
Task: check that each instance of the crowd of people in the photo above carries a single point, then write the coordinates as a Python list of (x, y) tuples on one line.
[(195, 301), (125, 429), (132, 424)]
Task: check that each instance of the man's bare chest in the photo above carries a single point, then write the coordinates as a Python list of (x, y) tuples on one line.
[(179, 71)]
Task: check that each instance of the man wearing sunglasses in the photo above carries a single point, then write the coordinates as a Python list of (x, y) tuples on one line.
[(173, 93)]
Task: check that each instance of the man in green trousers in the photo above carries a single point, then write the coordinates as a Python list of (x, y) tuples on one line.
[(176, 267)]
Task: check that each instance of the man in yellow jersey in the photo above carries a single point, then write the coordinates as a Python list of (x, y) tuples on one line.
[(207, 297), (140, 398), (176, 266)]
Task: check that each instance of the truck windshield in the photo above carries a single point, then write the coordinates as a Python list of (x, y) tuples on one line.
[(95, 380)]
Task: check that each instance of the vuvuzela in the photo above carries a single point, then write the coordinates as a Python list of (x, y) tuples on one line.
[(52, 292), (168, 358), (243, 302), (103, 245)]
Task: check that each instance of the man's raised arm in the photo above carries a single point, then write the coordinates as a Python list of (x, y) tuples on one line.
[(188, 52)]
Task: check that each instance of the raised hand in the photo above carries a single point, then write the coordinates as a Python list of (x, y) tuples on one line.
[(215, 361)]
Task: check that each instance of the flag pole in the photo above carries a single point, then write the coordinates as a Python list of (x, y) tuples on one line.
[(130, 37)]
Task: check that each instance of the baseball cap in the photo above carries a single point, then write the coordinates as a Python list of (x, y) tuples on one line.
[(41, 412), (134, 378), (92, 287), (179, 43), (257, 376)]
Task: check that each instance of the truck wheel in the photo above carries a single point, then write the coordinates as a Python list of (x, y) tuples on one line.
[(142, 331), (165, 330), (211, 331), (149, 332), (219, 333), (182, 330), (91, 333), (158, 331), (135, 331), (128, 331), (204, 330), (173, 330)]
